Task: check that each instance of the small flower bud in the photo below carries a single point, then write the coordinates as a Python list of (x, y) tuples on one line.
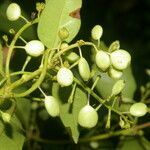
[(114, 46), (118, 87), (63, 33)]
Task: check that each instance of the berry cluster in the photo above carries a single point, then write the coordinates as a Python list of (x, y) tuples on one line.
[(113, 61)]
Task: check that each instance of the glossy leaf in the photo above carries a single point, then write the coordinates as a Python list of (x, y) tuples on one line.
[(56, 15)]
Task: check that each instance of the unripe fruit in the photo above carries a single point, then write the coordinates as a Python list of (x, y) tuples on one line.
[(13, 12), (120, 59), (87, 117), (115, 74), (138, 109), (94, 144), (118, 87), (52, 106), (34, 48), (84, 69), (102, 60), (97, 32), (64, 77)]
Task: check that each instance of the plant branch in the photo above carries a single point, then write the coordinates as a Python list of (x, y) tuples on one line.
[(40, 79), (131, 131), (12, 45), (102, 101)]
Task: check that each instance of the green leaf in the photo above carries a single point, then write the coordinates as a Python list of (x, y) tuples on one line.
[(11, 136), (145, 143), (105, 85), (118, 87), (56, 15), (68, 112), (23, 110), (130, 143)]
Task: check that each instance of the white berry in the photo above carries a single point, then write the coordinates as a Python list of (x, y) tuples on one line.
[(52, 106), (102, 60), (138, 109), (120, 59), (34, 48), (87, 117), (13, 12), (97, 32), (64, 76)]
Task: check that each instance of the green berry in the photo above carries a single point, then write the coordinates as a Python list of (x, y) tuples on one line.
[(13, 12), (52, 106), (102, 60), (84, 69), (118, 87), (87, 117), (138, 109), (64, 76), (97, 32), (34, 48), (94, 144), (115, 74), (120, 59)]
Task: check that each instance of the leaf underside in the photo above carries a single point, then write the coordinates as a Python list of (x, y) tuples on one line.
[(56, 15)]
